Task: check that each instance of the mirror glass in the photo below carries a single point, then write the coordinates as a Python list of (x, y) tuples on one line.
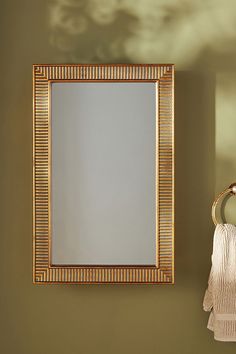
[(103, 157)]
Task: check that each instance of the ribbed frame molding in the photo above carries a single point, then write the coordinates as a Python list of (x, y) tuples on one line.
[(43, 271)]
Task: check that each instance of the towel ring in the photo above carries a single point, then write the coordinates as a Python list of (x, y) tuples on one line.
[(230, 190)]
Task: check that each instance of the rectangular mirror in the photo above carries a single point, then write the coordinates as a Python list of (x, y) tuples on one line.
[(103, 194)]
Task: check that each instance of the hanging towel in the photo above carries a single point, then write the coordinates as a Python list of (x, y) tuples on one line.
[(220, 296)]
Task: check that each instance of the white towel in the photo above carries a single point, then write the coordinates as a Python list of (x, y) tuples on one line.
[(220, 296)]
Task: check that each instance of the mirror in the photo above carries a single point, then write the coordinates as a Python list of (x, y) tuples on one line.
[(103, 174)]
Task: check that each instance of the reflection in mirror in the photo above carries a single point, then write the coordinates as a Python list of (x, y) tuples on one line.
[(103, 173)]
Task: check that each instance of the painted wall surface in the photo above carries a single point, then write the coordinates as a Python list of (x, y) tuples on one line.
[(199, 37)]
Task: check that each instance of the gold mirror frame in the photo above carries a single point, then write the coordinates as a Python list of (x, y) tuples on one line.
[(43, 270)]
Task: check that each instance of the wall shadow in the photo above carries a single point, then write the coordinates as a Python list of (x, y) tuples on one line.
[(195, 172)]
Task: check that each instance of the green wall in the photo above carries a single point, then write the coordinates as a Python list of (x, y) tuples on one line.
[(199, 37)]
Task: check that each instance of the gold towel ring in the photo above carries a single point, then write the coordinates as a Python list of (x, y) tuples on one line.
[(230, 190)]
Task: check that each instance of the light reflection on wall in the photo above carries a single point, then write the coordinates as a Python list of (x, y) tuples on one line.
[(142, 30)]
